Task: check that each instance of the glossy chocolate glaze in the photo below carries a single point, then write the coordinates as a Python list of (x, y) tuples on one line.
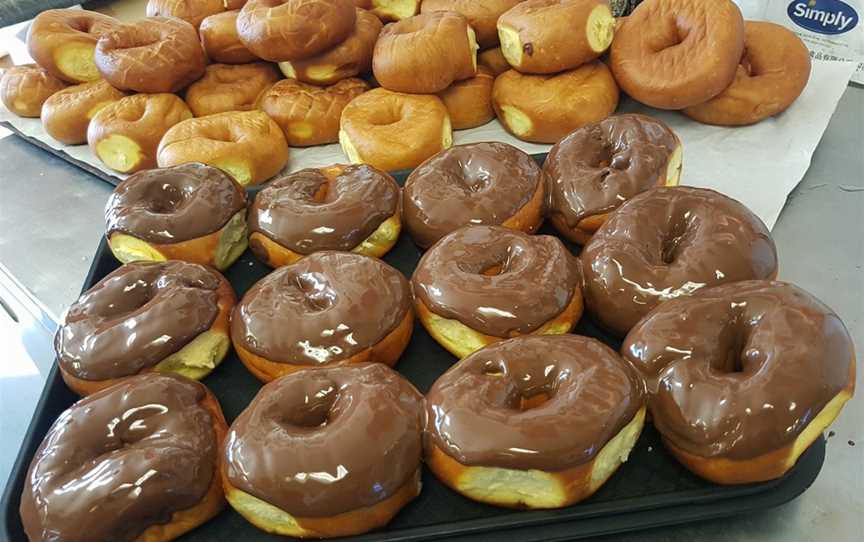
[(121, 460), (480, 183), (326, 441), (599, 166), (135, 317), (666, 243), (739, 370), (174, 204), (474, 411), (306, 213), (534, 285), (324, 308)]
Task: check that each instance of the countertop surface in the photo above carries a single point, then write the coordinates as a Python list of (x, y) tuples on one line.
[(51, 223)]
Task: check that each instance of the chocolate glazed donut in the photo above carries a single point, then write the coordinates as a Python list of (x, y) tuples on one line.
[(667, 243), (540, 422), (326, 452), (774, 364)]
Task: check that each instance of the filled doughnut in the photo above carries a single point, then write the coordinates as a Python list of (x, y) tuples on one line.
[(63, 42), (482, 16), (308, 114), (230, 87), (137, 461), (390, 10), (193, 212), (193, 12), (772, 73), (494, 60), (545, 108), (280, 30), (247, 145), (350, 58), (549, 36), (390, 130), (25, 88), (479, 183), (327, 452), (66, 114), (596, 168), (330, 308), (125, 134), (775, 364), (666, 243), (220, 40), (424, 54), (351, 208), (672, 54), (483, 284), (533, 422), (469, 102)]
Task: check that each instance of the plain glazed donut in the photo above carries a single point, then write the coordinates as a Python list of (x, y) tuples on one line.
[(483, 284), (482, 15), (774, 364), (165, 317), (361, 423), (138, 461), (220, 40), (469, 102), (545, 108), (773, 71), (666, 243), (247, 145), (533, 422), (424, 54), (390, 130), (671, 54), (191, 11), (480, 183), (193, 212), (67, 113), (25, 88), (156, 54), (330, 308), (230, 87), (350, 208), (596, 168), (280, 30)]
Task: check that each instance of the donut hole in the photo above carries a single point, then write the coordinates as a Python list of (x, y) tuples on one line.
[(672, 31), (494, 369), (132, 112), (384, 116), (312, 291), (165, 198), (532, 401), (674, 240), (733, 350), (315, 410)]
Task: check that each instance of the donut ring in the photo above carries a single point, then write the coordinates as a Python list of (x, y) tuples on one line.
[(192, 12), (774, 363), (275, 473), (774, 70), (672, 54), (220, 40), (482, 16), (24, 89), (67, 113), (229, 87)]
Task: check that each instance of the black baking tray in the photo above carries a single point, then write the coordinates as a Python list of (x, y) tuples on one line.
[(650, 490)]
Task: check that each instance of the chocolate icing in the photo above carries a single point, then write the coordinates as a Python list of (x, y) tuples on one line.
[(327, 441), (121, 460), (135, 317), (535, 283), (739, 370), (666, 243), (305, 213), (323, 309), (481, 183), (474, 413), (174, 204), (599, 166)]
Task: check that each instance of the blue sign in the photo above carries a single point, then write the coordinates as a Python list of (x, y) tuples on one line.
[(823, 16)]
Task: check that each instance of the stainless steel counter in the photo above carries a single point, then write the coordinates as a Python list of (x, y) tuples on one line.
[(51, 222)]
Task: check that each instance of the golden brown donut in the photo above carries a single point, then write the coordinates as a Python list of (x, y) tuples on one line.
[(229, 87), (672, 54), (67, 113), (424, 54), (469, 102), (220, 40), (351, 57), (125, 134), (772, 74), (390, 130), (494, 60), (25, 88), (63, 40), (390, 10), (191, 11), (280, 30), (482, 15), (308, 114), (545, 108), (548, 36), (247, 145), (157, 54)]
